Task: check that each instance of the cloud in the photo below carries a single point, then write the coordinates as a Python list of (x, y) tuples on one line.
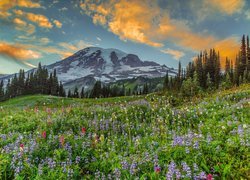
[(63, 9), (4, 14), (19, 22), (99, 19), (33, 40), (17, 52), (24, 26), (73, 47), (228, 47), (40, 20), (143, 21), (175, 53), (133, 24), (226, 6), (5, 5), (8, 4), (98, 38), (18, 12), (57, 23), (28, 4), (247, 14)]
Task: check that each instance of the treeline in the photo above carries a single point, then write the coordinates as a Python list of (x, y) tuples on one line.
[(36, 82), (101, 90), (205, 72)]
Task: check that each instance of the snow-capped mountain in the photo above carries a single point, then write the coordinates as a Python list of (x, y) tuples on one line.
[(107, 65)]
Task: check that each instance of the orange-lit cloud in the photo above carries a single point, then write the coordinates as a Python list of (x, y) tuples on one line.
[(175, 53), (19, 22), (24, 26), (226, 6), (57, 23), (70, 48), (128, 19), (4, 14), (143, 21), (228, 48), (5, 5), (39, 19), (17, 51)]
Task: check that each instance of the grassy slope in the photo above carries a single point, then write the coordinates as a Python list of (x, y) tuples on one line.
[(216, 112)]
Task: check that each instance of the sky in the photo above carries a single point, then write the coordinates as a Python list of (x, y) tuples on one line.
[(164, 31)]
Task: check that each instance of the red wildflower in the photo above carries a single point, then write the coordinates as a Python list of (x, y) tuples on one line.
[(44, 134), (62, 140), (21, 147), (209, 177), (157, 169), (83, 130)]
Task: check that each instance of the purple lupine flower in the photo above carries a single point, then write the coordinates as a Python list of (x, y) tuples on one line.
[(202, 175), (117, 173), (133, 168), (196, 145), (78, 159), (63, 164), (240, 131), (51, 163), (187, 169), (177, 174), (125, 165), (171, 171), (195, 167), (178, 140), (147, 157), (156, 160), (209, 138)]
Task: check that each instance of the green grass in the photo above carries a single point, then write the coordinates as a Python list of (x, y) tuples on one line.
[(126, 137)]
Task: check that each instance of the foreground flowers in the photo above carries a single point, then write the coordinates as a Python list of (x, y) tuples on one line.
[(122, 141)]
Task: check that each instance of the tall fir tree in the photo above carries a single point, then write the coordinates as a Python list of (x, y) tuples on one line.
[(166, 81), (248, 54), (82, 94), (1, 91), (76, 93), (243, 56)]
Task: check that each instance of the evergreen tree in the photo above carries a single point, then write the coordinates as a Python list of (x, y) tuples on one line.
[(179, 80), (209, 82), (217, 70), (166, 81), (61, 90), (69, 94), (1, 91), (199, 71), (243, 57), (227, 66), (145, 89), (76, 93), (82, 95), (248, 54), (97, 90)]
